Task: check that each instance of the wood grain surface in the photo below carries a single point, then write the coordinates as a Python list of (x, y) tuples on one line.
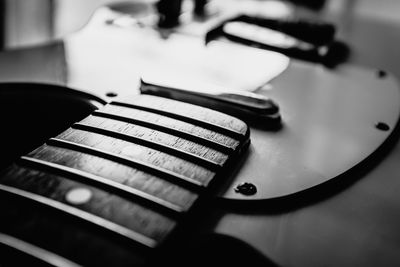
[(113, 175)]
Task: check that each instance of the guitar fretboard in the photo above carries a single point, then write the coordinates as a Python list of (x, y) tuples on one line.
[(126, 176)]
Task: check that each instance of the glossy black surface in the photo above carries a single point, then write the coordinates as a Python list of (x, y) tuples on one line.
[(31, 113)]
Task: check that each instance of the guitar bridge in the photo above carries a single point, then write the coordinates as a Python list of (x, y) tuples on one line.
[(122, 181)]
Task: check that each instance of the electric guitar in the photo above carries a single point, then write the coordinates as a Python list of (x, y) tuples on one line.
[(162, 153)]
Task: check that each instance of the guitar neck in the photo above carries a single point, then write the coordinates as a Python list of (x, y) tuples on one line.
[(131, 173)]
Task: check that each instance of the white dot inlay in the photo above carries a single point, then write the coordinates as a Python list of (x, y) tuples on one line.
[(78, 196)]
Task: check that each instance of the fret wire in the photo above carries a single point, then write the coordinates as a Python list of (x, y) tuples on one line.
[(154, 145), (84, 216), (202, 123), (102, 182), (35, 251), (194, 138), (162, 173)]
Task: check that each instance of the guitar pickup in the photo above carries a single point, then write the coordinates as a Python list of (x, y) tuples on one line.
[(250, 107), (309, 41)]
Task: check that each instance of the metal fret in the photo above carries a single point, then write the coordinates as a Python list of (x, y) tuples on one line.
[(35, 252), (83, 216), (194, 138), (157, 146), (104, 183), (162, 173), (202, 123)]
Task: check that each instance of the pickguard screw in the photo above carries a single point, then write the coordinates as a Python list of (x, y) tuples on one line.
[(381, 73), (247, 189), (382, 126), (111, 94)]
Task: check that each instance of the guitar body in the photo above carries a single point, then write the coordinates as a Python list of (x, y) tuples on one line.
[(326, 180)]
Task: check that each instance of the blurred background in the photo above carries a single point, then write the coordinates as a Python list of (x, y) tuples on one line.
[(370, 28), (34, 22)]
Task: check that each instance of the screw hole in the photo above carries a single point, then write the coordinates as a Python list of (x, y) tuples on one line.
[(382, 126), (246, 189), (111, 94), (381, 74)]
